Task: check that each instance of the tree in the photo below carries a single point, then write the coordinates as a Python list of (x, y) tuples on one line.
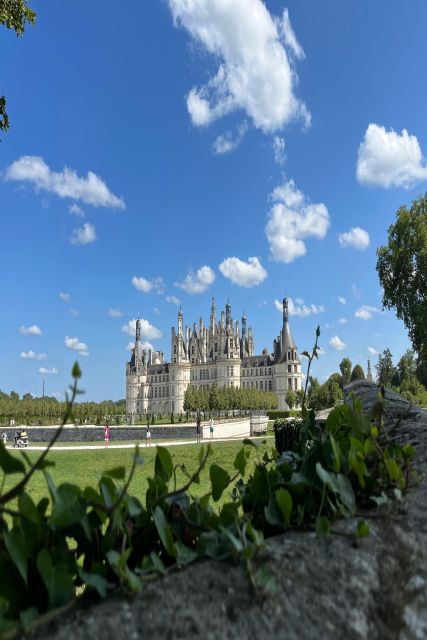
[(290, 399), (402, 268), (406, 368), (14, 14), (357, 373), (345, 368), (335, 378), (385, 368)]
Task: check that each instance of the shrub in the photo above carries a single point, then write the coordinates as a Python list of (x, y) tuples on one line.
[(286, 433)]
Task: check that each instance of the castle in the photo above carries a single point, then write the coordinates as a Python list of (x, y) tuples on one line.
[(204, 356)]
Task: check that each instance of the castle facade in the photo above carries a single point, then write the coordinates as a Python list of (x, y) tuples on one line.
[(220, 354)]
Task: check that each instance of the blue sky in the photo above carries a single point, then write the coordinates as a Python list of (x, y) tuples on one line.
[(212, 131)]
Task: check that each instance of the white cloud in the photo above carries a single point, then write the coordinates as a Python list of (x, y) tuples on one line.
[(389, 159), (355, 291), (145, 345), (293, 218), (148, 331), (142, 284), (357, 238), (65, 184), (254, 72), (33, 330), (366, 311), (301, 310), (373, 351), (173, 300), (342, 321), (245, 274), (75, 210), (197, 282), (76, 345), (52, 371), (157, 311), (290, 39), (226, 143), (30, 355), (115, 313), (342, 300), (337, 343), (84, 235), (279, 149), (64, 296), (74, 312)]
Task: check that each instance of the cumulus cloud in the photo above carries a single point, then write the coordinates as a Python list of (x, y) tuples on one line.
[(337, 343), (33, 330), (65, 184), (366, 311), (254, 74), (226, 143), (52, 371), (342, 300), (84, 235), (148, 331), (342, 321), (64, 296), (142, 284), (76, 345), (31, 355), (197, 282), (145, 345), (292, 219), (389, 159), (245, 274), (279, 149), (173, 300), (74, 312), (301, 310), (357, 238), (75, 210), (115, 313), (373, 351)]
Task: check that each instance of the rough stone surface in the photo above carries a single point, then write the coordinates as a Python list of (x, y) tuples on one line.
[(329, 589)]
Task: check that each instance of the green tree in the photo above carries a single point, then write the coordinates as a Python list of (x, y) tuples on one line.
[(14, 14), (406, 368), (357, 373), (385, 368), (402, 268), (345, 368), (290, 399)]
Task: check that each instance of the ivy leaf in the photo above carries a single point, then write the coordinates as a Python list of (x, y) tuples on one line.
[(322, 527), (250, 443), (17, 548), (96, 581), (164, 531), (118, 473), (69, 507), (362, 529), (284, 500), (57, 580), (10, 463), (163, 464), (184, 555), (240, 462), (219, 479)]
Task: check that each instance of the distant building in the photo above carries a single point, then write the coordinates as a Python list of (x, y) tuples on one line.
[(369, 374), (202, 356)]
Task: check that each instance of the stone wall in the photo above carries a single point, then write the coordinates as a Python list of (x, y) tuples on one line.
[(94, 434)]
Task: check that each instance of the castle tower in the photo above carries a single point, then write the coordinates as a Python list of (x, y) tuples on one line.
[(369, 374), (287, 367)]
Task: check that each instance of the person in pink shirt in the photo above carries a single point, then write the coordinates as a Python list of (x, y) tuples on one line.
[(106, 434)]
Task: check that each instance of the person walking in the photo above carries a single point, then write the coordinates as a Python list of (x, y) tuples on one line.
[(211, 427), (106, 434), (198, 427), (4, 437), (148, 438)]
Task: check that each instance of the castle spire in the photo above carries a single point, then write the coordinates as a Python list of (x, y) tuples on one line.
[(369, 374), (138, 331), (285, 311)]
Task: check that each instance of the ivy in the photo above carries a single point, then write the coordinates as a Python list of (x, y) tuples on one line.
[(105, 539)]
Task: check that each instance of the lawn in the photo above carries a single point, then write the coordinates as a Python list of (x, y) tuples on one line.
[(84, 468)]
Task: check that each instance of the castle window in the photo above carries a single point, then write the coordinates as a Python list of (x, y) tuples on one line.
[(192, 351), (231, 371), (270, 385), (295, 368), (261, 385), (269, 371), (296, 384), (231, 343), (289, 355), (289, 368), (174, 348), (289, 383)]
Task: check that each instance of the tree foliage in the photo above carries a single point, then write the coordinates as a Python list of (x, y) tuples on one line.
[(14, 14), (228, 399), (357, 373), (385, 368), (402, 269), (345, 368)]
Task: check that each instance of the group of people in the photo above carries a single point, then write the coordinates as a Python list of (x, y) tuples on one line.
[(199, 427), (20, 438)]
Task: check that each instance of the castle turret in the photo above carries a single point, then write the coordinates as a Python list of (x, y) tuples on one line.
[(369, 374)]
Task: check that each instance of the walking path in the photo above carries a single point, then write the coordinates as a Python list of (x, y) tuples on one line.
[(141, 444)]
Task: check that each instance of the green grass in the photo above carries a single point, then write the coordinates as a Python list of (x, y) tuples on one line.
[(84, 468)]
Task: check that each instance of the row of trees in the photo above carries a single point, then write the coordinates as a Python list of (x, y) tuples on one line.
[(227, 399), (47, 410)]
